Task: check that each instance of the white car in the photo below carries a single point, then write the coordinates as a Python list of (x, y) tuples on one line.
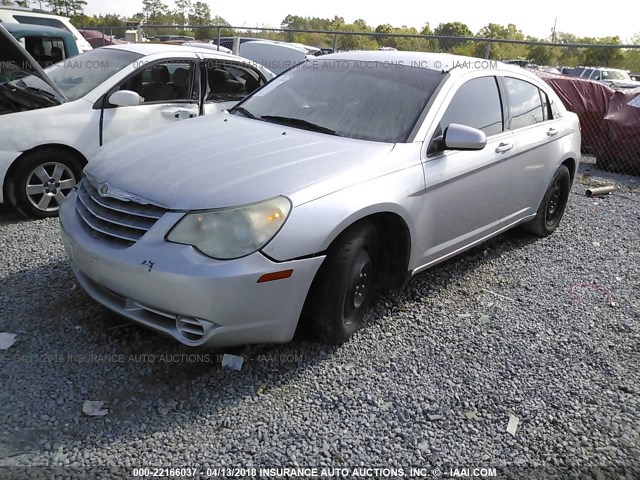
[(33, 17), (110, 92)]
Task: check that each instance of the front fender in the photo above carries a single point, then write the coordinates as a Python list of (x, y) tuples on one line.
[(312, 226)]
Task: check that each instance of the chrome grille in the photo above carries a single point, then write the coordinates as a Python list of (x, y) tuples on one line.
[(121, 222)]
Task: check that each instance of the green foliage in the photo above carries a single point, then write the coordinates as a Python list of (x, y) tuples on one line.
[(154, 10), (605, 57), (69, 8), (542, 54), (404, 43), (198, 13), (632, 57), (294, 22), (356, 42), (502, 51), (454, 29)]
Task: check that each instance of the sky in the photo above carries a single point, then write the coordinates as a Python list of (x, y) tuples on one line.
[(535, 19)]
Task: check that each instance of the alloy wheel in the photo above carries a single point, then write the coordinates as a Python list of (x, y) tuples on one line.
[(48, 185)]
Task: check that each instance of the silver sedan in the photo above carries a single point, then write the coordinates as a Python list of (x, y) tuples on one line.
[(346, 174)]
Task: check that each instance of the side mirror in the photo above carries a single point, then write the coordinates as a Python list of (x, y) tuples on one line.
[(125, 98), (461, 137)]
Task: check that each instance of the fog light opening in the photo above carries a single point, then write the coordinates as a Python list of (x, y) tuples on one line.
[(190, 328)]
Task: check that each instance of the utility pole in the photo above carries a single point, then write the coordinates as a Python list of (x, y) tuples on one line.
[(553, 31)]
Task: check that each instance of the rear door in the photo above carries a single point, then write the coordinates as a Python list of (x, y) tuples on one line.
[(169, 92), (537, 150)]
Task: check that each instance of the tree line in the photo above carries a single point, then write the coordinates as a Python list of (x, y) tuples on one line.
[(198, 13)]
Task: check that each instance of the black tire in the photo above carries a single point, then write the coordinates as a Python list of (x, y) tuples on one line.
[(553, 204), (52, 170), (343, 288)]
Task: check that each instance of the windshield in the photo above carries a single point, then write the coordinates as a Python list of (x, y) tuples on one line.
[(20, 90), (615, 75), (78, 75), (378, 101)]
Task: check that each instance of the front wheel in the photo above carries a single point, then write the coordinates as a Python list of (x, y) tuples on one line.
[(42, 181), (553, 204), (343, 288)]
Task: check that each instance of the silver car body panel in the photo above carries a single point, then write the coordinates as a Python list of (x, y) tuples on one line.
[(449, 202), (246, 162), (154, 282)]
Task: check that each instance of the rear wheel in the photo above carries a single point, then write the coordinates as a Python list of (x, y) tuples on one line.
[(553, 204), (342, 290), (42, 181)]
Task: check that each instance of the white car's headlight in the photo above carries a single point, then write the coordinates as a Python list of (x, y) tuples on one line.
[(234, 232)]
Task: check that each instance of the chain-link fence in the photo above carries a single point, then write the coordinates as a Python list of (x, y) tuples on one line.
[(597, 81)]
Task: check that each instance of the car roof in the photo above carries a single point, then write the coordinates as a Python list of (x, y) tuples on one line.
[(40, 30), (427, 60), (153, 48), (31, 12)]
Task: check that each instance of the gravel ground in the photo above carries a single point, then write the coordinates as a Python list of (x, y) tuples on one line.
[(545, 330)]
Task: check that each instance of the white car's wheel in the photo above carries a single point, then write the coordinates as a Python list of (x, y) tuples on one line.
[(42, 181)]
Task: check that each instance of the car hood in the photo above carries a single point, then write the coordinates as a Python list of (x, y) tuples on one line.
[(226, 160)]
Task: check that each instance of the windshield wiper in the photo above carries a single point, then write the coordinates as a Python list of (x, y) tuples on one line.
[(35, 89), (298, 122), (244, 111)]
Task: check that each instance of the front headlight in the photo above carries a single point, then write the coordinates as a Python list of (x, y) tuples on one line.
[(230, 233)]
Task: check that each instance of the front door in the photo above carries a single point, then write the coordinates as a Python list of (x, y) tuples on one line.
[(169, 93), (463, 197)]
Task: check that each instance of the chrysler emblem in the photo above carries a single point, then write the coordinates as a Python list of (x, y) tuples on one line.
[(103, 189)]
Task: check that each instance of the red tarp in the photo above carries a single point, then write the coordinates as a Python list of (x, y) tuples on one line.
[(590, 100), (622, 125), (609, 119), (97, 39)]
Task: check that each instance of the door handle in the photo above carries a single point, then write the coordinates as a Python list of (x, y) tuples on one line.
[(504, 147), (552, 131), (179, 114)]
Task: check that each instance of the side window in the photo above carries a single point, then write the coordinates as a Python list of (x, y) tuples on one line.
[(45, 50), (226, 81), (171, 81), (54, 50), (476, 104), (525, 105)]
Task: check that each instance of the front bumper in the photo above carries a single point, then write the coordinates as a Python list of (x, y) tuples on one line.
[(176, 290)]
